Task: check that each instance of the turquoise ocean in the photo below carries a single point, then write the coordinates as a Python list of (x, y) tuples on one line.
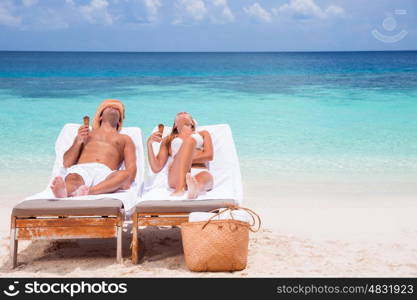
[(295, 114)]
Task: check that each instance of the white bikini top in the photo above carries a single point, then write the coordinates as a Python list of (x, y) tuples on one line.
[(177, 142)]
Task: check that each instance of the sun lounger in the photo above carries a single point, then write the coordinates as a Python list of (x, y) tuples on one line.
[(158, 208), (41, 216)]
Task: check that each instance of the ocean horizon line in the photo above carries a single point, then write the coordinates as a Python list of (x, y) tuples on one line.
[(203, 52)]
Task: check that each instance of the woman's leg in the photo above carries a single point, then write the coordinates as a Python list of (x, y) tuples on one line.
[(181, 165), (198, 184)]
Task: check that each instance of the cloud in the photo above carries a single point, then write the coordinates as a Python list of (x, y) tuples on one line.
[(6, 16), (257, 12), (308, 9), (47, 19), (334, 10), (152, 7), (221, 12), (31, 17), (96, 12), (29, 2), (130, 13), (194, 11)]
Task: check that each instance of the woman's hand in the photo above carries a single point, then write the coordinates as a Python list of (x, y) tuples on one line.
[(185, 131), (197, 153), (155, 137), (157, 161), (206, 154)]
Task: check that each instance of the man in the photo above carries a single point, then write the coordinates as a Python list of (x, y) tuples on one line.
[(94, 158)]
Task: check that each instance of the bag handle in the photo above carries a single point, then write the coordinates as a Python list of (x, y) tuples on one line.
[(236, 207)]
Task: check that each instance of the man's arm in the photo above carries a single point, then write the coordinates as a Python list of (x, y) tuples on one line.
[(130, 160), (202, 156), (72, 155)]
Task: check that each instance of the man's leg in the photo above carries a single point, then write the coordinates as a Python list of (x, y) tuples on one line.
[(112, 183), (73, 181), (181, 165), (63, 189)]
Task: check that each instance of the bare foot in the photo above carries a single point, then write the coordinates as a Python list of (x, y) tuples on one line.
[(58, 187), (177, 193), (81, 191), (192, 185)]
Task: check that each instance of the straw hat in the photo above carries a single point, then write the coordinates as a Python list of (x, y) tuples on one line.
[(105, 104)]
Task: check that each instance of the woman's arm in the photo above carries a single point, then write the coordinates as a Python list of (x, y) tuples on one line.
[(157, 162), (202, 156)]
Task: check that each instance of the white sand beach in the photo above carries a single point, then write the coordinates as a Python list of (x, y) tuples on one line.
[(317, 229)]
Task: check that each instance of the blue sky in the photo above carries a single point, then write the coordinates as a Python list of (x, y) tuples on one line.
[(208, 25)]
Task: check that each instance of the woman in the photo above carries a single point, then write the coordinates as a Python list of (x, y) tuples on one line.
[(187, 153)]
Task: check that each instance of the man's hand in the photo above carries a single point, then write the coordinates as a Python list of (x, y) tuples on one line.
[(82, 134), (155, 137)]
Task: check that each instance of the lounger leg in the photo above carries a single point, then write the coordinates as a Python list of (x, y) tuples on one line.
[(135, 240), (119, 244), (13, 247)]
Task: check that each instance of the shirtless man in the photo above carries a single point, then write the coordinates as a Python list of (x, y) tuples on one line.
[(94, 158)]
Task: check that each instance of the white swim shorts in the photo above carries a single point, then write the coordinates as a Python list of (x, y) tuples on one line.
[(195, 171), (92, 173)]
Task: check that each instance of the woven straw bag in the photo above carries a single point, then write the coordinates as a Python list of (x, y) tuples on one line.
[(217, 245)]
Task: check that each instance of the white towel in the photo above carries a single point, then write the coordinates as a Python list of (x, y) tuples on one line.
[(224, 167), (128, 197), (239, 215)]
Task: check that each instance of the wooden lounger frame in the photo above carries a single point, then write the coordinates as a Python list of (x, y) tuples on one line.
[(64, 226), (153, 219)]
